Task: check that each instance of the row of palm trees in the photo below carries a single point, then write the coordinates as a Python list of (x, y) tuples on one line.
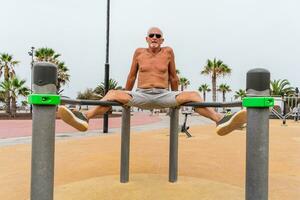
[(277, 87), (213, 68), (216, 69), (223, 88), (12, 87)]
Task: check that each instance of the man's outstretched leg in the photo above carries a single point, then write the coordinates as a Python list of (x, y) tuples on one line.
[(225, 123), (79, 120)]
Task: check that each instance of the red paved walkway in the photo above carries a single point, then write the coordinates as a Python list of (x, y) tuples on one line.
[(19, 128)]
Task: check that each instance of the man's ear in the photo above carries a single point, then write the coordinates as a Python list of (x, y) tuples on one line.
[(162, 40)]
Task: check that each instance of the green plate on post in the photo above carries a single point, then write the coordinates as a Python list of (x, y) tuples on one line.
[(44, 99), (258, 102)]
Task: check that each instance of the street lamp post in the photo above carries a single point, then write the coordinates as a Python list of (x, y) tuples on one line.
[(31, 53), (297, 108), (106, 75)]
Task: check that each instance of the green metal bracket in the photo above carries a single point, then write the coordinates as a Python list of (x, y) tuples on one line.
[(258, 102), (44, 99)]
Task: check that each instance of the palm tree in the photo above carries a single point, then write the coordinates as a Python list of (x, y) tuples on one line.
[(7, 65), (49, 55), (224, 88), (15, 88), (240, 94), (87, 94), (2, 96), (183, 82), (281, 87), (112, 85), (62, 76), (215, 68), (204, 88)]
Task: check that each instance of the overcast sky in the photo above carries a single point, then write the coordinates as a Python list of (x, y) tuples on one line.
[(244, 34)]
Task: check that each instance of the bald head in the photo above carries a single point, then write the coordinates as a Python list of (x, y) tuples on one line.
[(154, 38), (155, 30)]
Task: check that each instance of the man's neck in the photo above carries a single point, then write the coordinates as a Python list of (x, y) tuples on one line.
[(154, 50)]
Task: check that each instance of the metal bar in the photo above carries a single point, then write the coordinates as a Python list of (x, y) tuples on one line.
[(257, 152), (125, 145), (105, 116), (106, 71), (43, 146), (214, 104), (107, 31), (112, 103), (31, 53), (89, 102), (173, 154), (276, 113), (257, 139), (43, 134)]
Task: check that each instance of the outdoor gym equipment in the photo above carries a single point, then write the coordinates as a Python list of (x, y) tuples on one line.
[(184, 127), (45, 100)]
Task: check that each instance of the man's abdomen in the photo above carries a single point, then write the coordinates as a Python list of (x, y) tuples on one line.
[(153, 81)]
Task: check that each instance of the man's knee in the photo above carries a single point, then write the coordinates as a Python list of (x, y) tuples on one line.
[(188, 97), (194, 95), (117, 95), (111, 93)]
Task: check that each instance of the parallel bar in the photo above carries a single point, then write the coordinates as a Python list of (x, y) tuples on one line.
[(173, 154), (111, 103), (214, 104), (125, 145), (89, 102)]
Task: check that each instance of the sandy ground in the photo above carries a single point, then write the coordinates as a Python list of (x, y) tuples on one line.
[(210, 167)]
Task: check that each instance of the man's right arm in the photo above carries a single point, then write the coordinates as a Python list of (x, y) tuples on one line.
[(133, 71)]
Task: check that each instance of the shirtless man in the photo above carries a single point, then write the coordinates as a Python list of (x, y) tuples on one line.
[(155, 69)]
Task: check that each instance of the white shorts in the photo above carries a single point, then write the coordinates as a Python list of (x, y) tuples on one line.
[(153, 98)]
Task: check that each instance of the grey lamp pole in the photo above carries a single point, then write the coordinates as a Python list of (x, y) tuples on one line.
[(31, 53), (106, 76), (297, 95)]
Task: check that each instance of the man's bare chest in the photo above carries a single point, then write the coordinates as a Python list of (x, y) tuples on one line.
[(158, 62)]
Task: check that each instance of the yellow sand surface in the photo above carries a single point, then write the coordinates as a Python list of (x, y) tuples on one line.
[(210, 167)]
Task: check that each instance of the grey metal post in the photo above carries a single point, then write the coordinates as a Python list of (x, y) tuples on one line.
[(43, 133), (257, 139), (125, 145), (297, 94), (106, 72), (173, 154)]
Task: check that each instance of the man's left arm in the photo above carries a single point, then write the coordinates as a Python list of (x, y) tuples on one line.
[(173, 78)]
